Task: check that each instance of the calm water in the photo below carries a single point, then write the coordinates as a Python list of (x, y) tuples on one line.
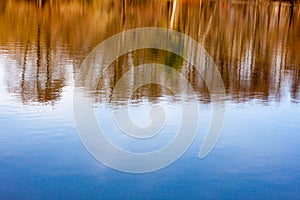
[(255, 46)]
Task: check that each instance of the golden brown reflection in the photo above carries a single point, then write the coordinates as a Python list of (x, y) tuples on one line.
[(255, 45)]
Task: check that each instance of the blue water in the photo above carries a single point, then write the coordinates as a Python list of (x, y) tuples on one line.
[(257, 156)]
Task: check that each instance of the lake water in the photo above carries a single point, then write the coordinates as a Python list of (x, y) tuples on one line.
[(255, 46)]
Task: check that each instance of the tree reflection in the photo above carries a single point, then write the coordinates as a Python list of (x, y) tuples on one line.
[(255, 45)]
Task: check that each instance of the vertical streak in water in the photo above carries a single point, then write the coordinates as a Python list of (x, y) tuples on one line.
[(173, 14), (23, 73), (123, 12), (48, 91), (38, 61)]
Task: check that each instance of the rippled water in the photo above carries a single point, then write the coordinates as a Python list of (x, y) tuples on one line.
[(255, 47)]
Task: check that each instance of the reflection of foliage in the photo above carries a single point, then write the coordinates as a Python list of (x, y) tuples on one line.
[(252, 43), (166, 58), (174, 61)]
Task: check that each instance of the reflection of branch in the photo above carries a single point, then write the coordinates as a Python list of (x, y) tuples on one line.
[(48, 89), (208, 27), (38, 59), (23, 73), (123, 12), (173, 14), (39, 3)]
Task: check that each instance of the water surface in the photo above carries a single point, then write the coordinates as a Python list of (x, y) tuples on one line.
[(255, 46)]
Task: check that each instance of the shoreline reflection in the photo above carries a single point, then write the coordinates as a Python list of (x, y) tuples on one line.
[(255, 46)]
